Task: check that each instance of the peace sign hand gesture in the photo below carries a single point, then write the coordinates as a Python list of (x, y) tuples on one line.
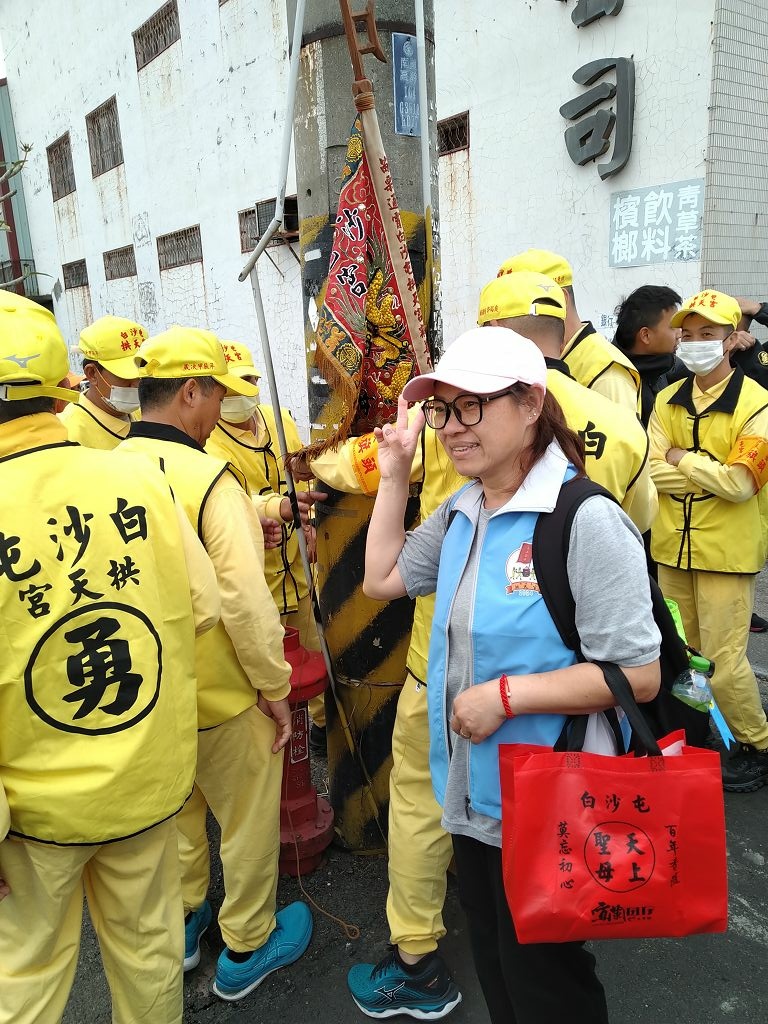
[(397, 444)]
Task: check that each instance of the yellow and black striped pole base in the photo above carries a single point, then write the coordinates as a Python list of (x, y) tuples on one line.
[(368, 642)]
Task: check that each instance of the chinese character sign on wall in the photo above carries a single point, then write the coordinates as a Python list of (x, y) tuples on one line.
[(405, 75), (591, 136), (587, 11), (612, 79), (656, 224)]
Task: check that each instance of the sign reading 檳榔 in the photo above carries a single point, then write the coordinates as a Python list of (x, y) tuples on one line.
[(656, 224)]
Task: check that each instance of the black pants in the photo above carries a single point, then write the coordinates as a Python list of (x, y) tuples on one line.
[(543, 983)]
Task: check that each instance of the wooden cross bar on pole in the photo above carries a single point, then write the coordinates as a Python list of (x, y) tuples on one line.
[(351, 21)]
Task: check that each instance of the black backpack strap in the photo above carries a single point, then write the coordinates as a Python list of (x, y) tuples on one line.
[(551, 540)]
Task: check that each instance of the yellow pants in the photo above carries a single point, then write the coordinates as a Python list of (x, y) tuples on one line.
[(303, 619), (134, 900), (419, 850), (239, 778), (716, 609)]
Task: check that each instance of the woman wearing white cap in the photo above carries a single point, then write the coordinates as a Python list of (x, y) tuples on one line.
[(498, 671)]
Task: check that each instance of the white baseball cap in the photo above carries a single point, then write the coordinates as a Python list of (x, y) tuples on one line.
[(481, 362)]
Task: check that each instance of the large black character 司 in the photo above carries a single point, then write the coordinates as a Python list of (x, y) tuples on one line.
[(102, 663), (591, 137)]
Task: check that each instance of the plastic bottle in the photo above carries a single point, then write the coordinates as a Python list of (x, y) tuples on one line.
[(692, 687)]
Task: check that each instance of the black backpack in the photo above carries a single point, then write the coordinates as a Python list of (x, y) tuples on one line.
[(551, 540)]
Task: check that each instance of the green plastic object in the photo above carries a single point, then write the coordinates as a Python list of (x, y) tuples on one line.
[(697, 661), (674, 611), (700, 664)]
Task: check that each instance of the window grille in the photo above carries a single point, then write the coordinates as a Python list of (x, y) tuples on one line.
[(104, 140), (453, 134), (180, 248), (75, 274), (60, 167), (254, 223), (120, 263), (156, 34), (20, 271)]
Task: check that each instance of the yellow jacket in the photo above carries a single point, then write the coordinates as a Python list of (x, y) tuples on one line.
[(92, 427), (604, 368), (97, 646), (710, 504), (257, 457), (617, 460), (243, 655), (615, 444)]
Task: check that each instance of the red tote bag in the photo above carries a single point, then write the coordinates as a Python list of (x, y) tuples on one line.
[(613, 847)]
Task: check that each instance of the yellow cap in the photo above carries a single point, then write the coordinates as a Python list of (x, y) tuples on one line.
[(714, 306), (182, 352), (239, 359), (520, 294), (33, 355), (540, 261), (111, 341)]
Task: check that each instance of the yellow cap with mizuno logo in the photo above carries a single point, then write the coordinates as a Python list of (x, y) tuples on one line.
[(520, 294), (182, 352), (540, 261), (33, 355)]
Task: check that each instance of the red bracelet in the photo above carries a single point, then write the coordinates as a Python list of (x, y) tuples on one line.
[(504, 696)]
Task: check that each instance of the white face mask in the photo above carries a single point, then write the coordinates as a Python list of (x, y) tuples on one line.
[(238, 408), (123, 400), (701, 356)]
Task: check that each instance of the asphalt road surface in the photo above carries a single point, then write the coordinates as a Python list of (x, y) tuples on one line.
[(706, 978)]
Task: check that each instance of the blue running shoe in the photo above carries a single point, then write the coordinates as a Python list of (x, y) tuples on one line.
[(385, 989), (194, 929), (287, 942)]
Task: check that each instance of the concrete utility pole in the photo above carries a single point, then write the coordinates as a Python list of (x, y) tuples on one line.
[(368, 641)]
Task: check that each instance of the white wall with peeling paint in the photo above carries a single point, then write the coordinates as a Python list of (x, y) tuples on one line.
[(201, 129), (510, 66)]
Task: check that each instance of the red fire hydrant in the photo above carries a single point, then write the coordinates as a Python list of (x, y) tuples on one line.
[(306, 819)]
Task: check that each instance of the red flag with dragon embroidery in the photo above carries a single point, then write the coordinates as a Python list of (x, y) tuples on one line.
[(370, 337)]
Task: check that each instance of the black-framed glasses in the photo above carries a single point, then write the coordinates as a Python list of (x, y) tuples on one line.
[(468, 409)]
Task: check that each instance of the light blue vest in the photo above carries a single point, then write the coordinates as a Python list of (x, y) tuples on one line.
[(511, 631)]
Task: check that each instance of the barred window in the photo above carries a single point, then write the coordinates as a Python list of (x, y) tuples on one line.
[(104, 140), (75, 274), (254, 223), (120, 263), (453, 134), (180, 248), (156, 34), (60, 167)]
